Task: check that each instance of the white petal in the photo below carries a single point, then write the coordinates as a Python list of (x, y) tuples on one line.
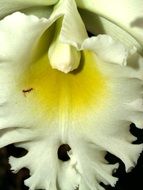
[(107, 49), (10, 6), (126, 14)]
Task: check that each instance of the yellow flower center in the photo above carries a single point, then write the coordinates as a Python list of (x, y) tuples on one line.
[(58, 93)]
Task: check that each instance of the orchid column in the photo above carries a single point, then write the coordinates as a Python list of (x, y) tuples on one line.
[(60, 87)]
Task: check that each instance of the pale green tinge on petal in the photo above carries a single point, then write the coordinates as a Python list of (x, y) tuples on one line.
[(126, 14), (10, 6), (39, 11), (73, 31)]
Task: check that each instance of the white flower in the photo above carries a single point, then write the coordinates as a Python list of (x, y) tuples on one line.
[(87, 102)]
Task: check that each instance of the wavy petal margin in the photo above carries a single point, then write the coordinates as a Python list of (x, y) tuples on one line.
[(90, 109)]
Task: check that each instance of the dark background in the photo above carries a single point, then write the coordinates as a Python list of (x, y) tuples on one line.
[(130, 181)]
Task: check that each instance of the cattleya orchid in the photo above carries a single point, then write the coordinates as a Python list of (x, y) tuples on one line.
[(60, 87)]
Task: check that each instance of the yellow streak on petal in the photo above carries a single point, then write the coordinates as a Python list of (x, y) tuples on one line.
[(70, 94)]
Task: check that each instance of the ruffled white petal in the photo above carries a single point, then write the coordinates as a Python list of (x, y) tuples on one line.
[(69, 172), (107, 49), (127, 15)]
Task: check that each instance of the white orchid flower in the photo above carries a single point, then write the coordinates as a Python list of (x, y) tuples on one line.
[(60, 88)]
